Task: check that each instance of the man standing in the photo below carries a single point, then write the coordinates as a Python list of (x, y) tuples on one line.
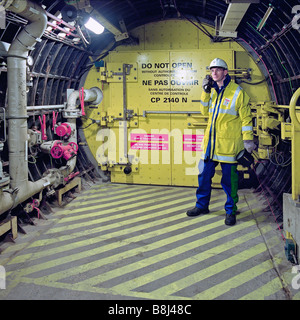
[(228, 132)]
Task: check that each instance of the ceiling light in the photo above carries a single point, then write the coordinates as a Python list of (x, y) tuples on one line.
[(94, 26), (263, 21)]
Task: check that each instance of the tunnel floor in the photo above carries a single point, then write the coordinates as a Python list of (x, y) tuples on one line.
[(128, 242)]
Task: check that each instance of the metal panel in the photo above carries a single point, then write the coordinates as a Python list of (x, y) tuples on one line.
[(234, 15)]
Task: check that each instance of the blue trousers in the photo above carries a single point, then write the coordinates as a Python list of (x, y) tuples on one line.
[(229, 184)]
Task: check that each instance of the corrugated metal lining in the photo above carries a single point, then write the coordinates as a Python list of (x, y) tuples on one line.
[(56, 68), (276, 43)]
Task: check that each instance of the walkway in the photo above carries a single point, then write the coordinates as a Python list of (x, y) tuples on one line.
[(125, 242)]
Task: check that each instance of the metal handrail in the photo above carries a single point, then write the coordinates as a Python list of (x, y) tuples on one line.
[(293, 115), (295, 144), (145, 112)]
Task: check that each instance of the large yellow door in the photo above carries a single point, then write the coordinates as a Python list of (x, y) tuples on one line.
[(160, 139)]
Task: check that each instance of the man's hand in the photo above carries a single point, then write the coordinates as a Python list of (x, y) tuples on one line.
[(249, 145), (206, 84)]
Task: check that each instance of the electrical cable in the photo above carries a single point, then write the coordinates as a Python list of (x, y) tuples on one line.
[(85, 41), (260, 58), (282, 162), (88, 67), (93, 121), (255, 83), (290, 82), (202, 29), (269, 204)]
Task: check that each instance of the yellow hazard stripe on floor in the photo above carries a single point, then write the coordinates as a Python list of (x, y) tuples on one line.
[(136, 241), (131, 267)]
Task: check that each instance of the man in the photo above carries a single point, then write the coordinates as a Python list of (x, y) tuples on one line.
[(228, 132)]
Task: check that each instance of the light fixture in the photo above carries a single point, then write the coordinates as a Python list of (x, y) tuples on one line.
[(263, 21), (94, 26)]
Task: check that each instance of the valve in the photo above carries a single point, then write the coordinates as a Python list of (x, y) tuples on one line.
[(36, 203), (74, 145), (63, 130), (29, 207), (57, 150), (68, 151), (43, 127)]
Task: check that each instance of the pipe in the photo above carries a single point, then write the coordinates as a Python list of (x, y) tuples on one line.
[(16, 83), (60, 21), (20, 188), (68, 33), (9, 199), (93, 95), (50, 107)]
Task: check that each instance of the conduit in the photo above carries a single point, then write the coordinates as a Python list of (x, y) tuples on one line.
[(20, 188), (93, 95), (16, 83)]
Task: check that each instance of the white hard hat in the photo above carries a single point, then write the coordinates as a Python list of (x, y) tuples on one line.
[(218, 63)]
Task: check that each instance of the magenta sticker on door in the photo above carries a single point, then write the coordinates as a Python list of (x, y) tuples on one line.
[(148, 141), (192, 137), (192, 142), (148, 137), (149, 146)]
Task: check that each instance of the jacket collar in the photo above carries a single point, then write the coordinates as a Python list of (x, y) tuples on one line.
[(225, 84)]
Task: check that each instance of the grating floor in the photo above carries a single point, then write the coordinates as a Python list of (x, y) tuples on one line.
[(119, 241)]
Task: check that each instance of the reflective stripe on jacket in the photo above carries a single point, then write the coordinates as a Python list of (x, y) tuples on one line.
[(229, 123)]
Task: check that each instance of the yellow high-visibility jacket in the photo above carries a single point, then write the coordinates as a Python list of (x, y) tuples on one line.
[(229, 123)]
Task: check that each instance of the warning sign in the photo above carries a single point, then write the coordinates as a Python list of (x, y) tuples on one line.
[(149, 137), (147, 141), (169, 82), (192, 142), (149, 146)]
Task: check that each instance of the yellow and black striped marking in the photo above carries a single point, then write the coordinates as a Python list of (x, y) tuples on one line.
[(127, 241)]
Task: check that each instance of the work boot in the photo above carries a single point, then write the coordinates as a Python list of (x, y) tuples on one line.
[(230, 219), (197, 211)]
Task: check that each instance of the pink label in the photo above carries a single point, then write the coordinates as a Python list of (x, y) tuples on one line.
[(149, 146), (148, 137), (192, 147), (193, 137)]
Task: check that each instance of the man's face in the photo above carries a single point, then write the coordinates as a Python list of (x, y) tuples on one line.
[(218, 74)]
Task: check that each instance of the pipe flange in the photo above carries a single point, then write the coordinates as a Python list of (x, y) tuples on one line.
[(55, 176), (99, 94), (71, 114)]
